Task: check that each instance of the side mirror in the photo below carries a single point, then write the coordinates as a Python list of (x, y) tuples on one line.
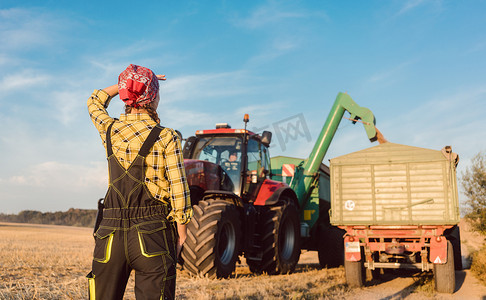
[(266, 138), (188, 147)]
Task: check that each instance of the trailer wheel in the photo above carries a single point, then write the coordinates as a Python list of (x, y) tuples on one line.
[(280, 240), (444, 274), (213, 239), (355, 273), (330, 247)]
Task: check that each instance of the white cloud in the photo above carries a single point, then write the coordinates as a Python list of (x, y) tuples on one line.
[(183, 98), (265, 15), (26, 79), (478, 47), (278, 46), (28, 29), (391, 73), (54, 186), (272, 13), (455, 120), (181, 117), (278, 19), (69, 105), (413, 4), (259, 111), (186, 89), (410, 4), (52, 174)]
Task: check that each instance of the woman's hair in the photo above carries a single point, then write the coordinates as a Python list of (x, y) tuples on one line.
[(152, 112)]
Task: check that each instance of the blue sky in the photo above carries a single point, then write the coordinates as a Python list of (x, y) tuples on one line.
[(419, 65)]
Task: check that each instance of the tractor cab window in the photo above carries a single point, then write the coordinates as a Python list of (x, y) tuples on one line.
[(208, 154), (266, 160), (258, 158), (224, 151)]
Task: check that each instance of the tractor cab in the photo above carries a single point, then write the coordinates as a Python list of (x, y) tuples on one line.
[(220, 159)]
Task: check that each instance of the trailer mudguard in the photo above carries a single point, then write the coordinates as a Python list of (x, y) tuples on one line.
[(352, 249), (438, 250), (272, 191)]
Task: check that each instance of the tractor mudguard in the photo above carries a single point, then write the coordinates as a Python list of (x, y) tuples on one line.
[(212, 194), (272, 191)]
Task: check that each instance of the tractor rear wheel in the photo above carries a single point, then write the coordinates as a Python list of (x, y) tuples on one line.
[(444, 274), (280, 240), (213, 239)]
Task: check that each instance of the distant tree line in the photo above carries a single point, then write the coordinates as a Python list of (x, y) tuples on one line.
[(72, 217)]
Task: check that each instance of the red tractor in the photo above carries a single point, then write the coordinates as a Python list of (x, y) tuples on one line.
[(238, 209)]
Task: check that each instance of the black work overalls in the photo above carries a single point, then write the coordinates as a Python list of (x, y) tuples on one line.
[(133, 234)]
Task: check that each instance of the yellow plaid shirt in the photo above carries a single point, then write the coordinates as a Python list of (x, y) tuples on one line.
[(165, 176)]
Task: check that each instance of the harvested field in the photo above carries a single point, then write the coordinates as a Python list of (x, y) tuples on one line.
[(50, 262)]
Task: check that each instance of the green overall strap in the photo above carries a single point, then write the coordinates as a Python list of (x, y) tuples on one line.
[(150, 141), (109, 150)]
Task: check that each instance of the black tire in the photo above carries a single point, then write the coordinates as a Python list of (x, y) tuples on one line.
[(376, 274), (330, 247), (280, 240), (355, 273), (444, 274), (213, 239), (196, 193), (454, 236)]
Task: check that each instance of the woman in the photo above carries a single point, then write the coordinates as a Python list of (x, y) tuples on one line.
[(147, 193)]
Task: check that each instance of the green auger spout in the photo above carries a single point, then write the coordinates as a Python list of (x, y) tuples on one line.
[(305, 173)]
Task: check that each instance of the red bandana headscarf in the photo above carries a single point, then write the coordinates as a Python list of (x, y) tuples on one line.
[(137, 86)]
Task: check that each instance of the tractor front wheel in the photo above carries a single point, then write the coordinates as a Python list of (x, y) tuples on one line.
[(213, 239), (280, 240)]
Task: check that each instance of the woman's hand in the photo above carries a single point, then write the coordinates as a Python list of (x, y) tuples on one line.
[(182, 231), (112, 90)]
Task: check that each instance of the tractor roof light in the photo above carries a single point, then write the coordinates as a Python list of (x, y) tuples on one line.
[(222, 125)]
